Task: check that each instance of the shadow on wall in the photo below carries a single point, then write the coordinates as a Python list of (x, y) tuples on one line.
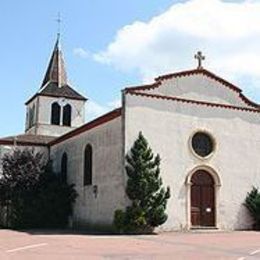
[(243, 219), (194, 110)]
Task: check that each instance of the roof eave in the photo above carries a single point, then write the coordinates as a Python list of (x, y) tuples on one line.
[(160, 79), (21, 143), (88, 126), (53, 95)]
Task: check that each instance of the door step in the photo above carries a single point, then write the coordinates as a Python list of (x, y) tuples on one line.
[(203, 228)]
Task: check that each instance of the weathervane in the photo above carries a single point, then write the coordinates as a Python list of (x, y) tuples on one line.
[(59, 21), (200, 58)]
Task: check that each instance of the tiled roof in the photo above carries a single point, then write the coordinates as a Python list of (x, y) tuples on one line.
[(41, 140), (64, 91), (96, 122), (55, 83), (27, 139), (52, 90), (56, 71)]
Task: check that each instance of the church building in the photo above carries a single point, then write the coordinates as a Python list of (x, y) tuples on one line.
[(205, 129)]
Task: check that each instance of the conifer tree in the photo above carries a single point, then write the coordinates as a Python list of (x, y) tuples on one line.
[(252, 203), (144, 189)]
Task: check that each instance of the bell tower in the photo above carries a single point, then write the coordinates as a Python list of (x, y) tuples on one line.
[(56, 108)]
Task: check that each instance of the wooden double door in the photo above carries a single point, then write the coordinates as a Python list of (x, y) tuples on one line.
[(202, 200)]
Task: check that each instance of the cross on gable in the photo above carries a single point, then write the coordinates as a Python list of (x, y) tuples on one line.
[(200, 58)]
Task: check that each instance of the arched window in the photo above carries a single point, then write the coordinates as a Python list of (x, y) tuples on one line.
[(33, 115), (67, 115), (64, 167), (88, 165), (29, 117), (55, 114)]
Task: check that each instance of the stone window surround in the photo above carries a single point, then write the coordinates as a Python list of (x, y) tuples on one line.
[(214, 142)]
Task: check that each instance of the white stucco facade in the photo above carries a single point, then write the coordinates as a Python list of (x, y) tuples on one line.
[(168, 113), (195, 104), (96, 203), (235, 162)]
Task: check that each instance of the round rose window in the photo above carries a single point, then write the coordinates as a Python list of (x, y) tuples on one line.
[(202, 144)]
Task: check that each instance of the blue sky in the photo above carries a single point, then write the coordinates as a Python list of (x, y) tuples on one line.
[(103, 43), (28, 33)]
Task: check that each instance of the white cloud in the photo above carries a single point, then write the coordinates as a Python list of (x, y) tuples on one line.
[(81, 53), (115, 103), (94, 109), (227, 32)]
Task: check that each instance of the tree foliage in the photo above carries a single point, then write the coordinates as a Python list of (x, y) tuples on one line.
[(144, 189), (252, 203), (34, 196)]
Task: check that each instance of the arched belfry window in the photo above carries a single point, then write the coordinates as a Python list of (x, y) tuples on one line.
[(64, 167), (29, 117), (88, 157), (33, 115), (55, 114), (67, 115)]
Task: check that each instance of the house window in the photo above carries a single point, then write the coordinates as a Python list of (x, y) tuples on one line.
[(64, 167), (55, 114), (88, 165), (202, 144), (67, 115)]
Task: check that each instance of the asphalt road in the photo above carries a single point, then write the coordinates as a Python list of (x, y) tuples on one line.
[(174, 245)]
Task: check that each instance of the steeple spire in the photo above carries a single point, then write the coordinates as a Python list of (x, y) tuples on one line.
[(56, 71)]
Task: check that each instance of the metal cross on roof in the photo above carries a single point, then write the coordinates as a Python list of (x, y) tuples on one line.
[(200, 58), (58, 20)]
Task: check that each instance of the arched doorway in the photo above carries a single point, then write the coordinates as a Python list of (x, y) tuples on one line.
[(202, 207)]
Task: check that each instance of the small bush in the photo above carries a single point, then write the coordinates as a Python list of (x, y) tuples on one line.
[(119, 220), (133, 220), (252, 203)]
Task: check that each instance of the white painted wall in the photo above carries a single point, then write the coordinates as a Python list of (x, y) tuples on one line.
[(43, 118), (200, 88), (106, 141), (168, 125)]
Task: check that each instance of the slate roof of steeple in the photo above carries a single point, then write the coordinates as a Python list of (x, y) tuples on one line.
[(56, 71), (55, 82)]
